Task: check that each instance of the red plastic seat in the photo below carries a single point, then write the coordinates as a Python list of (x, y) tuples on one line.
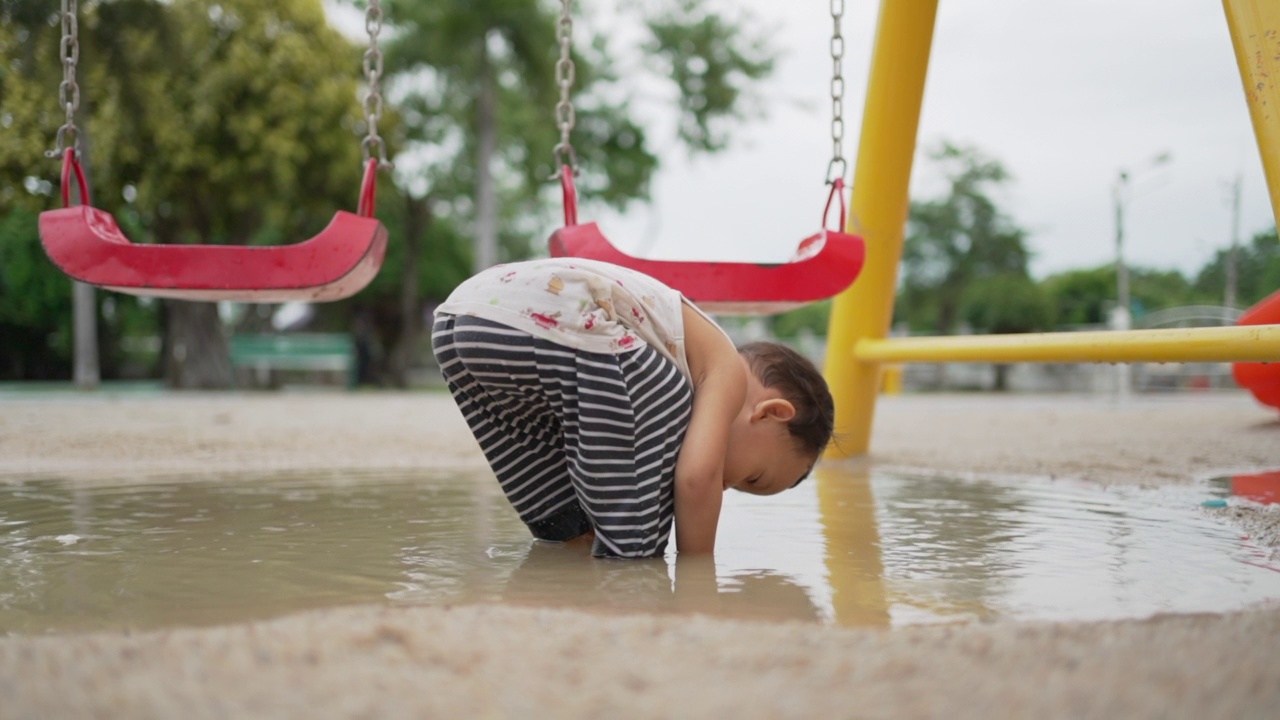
[(1262, 379), (87, 245), (823, 266)]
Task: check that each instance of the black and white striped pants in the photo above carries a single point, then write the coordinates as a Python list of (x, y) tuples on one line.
[(578, 440)]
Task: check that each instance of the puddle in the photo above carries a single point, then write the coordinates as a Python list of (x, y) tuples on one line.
[(841, 549)]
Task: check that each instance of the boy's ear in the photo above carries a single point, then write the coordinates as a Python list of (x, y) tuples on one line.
[(775, 409)]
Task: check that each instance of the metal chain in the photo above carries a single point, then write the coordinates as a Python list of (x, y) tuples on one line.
[(68, 90), (566, 116), (373, 98), (837, 95)]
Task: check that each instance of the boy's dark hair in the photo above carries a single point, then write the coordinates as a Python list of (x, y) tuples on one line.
[(797, 378)]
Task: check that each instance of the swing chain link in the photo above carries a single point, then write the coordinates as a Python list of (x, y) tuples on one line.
[(837, 96), (68, 91), (373, 98), (566, 72)]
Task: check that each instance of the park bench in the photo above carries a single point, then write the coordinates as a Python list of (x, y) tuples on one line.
[(333, 355)]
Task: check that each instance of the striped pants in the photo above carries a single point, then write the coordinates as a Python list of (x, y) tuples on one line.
[(578, 440)]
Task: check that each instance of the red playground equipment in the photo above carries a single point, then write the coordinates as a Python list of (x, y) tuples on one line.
[(1262, 379)]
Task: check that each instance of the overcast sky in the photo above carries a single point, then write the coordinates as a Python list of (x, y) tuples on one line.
[(1065, 93)]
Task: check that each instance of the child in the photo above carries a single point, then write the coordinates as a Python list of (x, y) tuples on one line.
[(609, 406)]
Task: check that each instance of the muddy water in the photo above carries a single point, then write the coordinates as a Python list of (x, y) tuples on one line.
[(842, 549)]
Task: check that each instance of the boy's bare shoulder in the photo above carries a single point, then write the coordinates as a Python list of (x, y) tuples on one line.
[(708, 350)]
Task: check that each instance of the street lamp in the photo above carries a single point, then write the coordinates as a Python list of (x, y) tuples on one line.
[(1122, 319)]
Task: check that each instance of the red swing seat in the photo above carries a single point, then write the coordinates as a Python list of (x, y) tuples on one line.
[(1261, 379), (823, 266), (86, 244)]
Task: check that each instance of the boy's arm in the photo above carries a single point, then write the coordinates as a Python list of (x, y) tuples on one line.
[(719, 386)]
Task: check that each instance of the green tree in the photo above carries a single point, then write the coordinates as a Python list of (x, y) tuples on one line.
[(35, 298), (813, 318), (31, 348), (1086, 297), (232, 122), (31, 291), (1151, 290), (225, 121), (713, 61), (477, 91), (955, 240), (480, 88), (1082, 297), (1006, 303), (1257, 267), (251, 134)]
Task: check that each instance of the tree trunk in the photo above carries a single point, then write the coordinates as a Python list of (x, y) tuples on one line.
[(486, 148), (87, 371), (198, 355), (1001, 377), (403, 355)]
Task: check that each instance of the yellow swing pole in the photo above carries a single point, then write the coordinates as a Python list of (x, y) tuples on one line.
[(1255, 34), (891, 116)]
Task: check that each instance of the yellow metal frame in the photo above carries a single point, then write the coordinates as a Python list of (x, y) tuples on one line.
[(1255, 34), (1255, 343), (860, 318), (895, 90)]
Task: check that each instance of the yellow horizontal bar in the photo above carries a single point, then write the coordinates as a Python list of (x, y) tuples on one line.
[(1257, 343)]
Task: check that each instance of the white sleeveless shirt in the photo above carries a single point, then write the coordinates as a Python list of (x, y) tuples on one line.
[(583, 304)]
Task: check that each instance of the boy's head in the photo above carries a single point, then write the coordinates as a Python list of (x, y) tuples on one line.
[(787, 421)]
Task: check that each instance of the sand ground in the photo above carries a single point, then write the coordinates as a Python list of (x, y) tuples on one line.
[(374, 661)]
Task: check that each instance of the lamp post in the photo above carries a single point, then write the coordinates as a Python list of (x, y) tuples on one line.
[(1229, 296), (1121, 318)]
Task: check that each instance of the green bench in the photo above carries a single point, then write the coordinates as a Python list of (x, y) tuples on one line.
[(333, 354)]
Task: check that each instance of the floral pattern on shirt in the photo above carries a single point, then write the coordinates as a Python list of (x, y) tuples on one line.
[(583, 304)]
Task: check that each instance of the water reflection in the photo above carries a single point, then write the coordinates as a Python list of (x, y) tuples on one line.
[(1258, 487), (567, 576), (845, 548), (196, 553), (855, 569), (951, 549)]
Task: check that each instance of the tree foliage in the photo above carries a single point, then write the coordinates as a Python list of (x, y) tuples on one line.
[(713, 61), (1006, 303), (1082, 297), (31, 347), (1257, 271), (955, 240), (227, 121), (1151, 289), (232, 121), (812, 318), (476, 86), (445, 52), (1087, 296)]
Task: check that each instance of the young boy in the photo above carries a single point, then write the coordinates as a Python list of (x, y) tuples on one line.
[(609, 405)]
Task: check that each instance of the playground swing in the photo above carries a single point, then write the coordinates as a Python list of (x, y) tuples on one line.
[(86, 243), (823, 265)]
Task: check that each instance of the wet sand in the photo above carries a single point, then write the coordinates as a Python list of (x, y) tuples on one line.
[(372, 661)]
